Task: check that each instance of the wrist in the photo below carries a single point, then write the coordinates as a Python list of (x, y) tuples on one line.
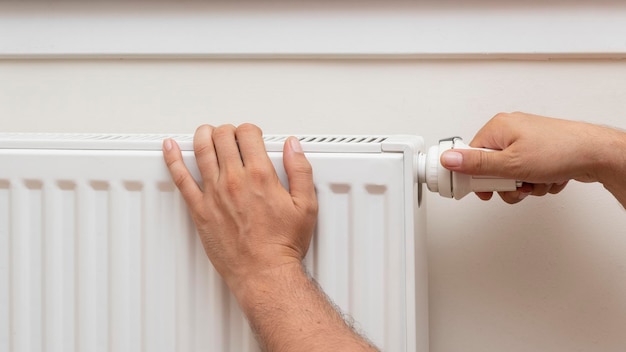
[(288, 311), (611, 158), (252, 290)]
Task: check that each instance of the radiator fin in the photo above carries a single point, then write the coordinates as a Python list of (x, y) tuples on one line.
[(54, 238)]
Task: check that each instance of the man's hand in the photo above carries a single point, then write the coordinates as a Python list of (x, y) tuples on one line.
[(256, 234), (543, 152), (247, 221)]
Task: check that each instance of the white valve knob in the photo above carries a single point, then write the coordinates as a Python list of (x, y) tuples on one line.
[(453, 184)]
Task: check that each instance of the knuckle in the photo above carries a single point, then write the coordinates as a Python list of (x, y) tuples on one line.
[(301, 170), (202, 218), (171, 163), (180, 179), (501, 116), (258, 173), (505, 117), (306, 168), (311, 207), (516, 165), (478, 163), (202, 149), (232, 184)]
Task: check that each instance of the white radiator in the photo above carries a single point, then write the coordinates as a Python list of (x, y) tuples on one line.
[(98, 253)]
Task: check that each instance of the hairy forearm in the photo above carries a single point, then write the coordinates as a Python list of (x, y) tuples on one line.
[(289, 312)]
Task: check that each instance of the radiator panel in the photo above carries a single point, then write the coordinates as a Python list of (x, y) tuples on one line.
[(98, 253)]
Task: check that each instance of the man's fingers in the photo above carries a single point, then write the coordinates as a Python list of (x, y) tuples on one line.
[(538, 189), (252, 146), (206, 158), (514, 196), (484, 195), (299, 173), (557, 187), (180, 174), (226, 148)]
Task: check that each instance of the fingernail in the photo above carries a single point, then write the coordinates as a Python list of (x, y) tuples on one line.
[(452, 159), (295, 144), (167, 144), (523, 195)]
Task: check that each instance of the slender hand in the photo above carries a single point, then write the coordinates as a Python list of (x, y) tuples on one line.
[(545, 153), (256, 234)]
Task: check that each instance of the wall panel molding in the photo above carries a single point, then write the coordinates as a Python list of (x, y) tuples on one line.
[(313, 29)]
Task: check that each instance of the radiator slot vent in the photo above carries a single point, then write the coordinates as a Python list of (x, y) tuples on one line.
[(330, 139)]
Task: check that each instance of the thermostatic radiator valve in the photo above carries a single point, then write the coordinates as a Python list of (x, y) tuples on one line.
[(453, 184)]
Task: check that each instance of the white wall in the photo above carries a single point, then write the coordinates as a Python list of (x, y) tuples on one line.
[(548, 274)]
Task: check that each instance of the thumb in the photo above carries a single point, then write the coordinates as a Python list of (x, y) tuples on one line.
[(474, 162), (299, 171)]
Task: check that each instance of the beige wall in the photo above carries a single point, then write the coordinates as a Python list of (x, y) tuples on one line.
[(548, 274)]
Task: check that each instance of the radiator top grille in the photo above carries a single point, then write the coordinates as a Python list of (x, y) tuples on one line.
[(88, 137), (92, 141)]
